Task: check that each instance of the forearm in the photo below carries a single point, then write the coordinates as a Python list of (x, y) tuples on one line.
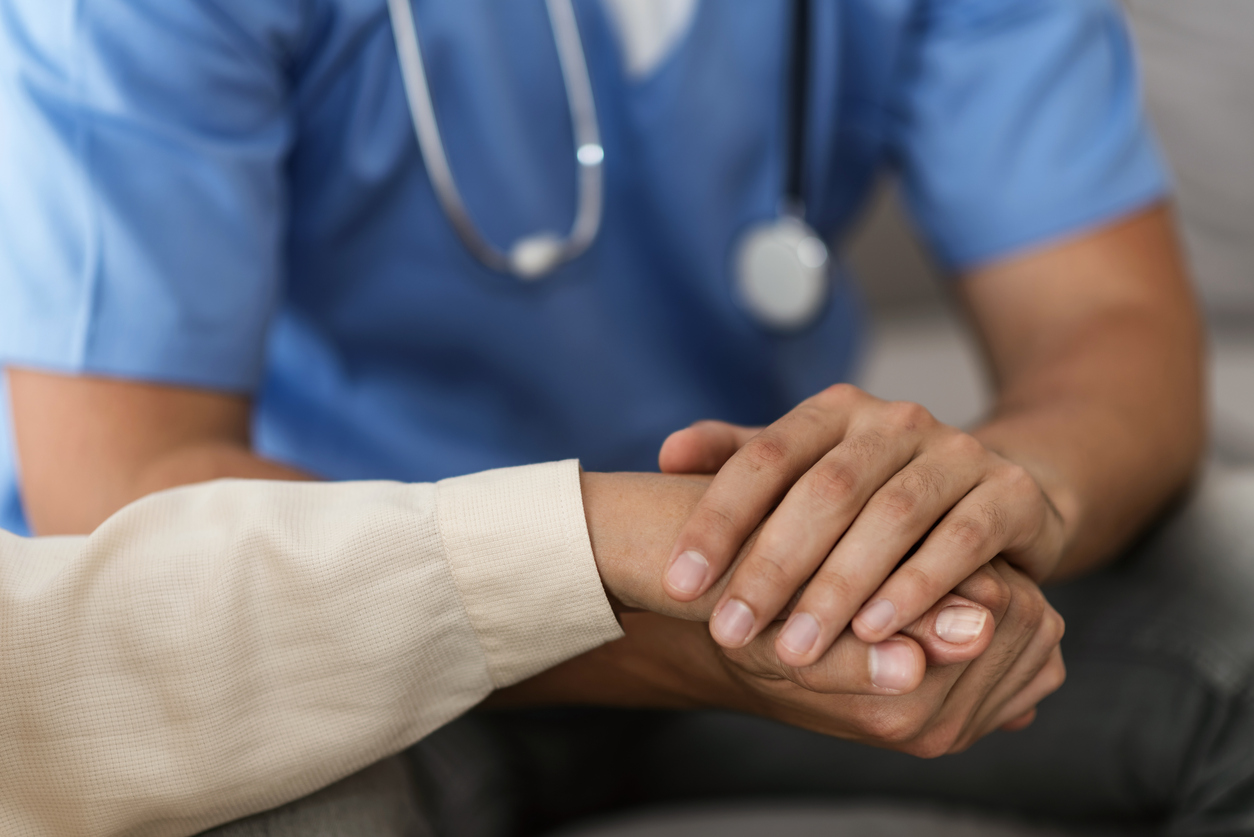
[(373, 607), (1110, 439), (1106, 410), (90, 446)]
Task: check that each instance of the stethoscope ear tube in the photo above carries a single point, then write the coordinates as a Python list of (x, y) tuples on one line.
[(535, 255)]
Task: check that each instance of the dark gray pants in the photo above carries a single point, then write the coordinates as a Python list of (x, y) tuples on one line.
[(1154, 727)]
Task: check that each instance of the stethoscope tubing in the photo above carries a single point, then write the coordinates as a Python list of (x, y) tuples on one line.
[(587, 135)]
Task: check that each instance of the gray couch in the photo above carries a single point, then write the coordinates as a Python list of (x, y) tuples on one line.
[(1198, 62)]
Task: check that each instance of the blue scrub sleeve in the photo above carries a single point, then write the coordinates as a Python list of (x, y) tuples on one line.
[(1018, 122), (142, 147)]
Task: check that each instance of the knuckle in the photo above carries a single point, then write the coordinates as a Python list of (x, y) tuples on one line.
[(812, 678), (918, 578), (897, 503), (997, 521), (717, 518), (968, 533), (1020, 483), (908, 416), (765, 571), (1019, 477), (987, 588), (893, 726), (998, 596), (829, 591), (764, 452), (923, 479), (839, 394), (864, 446), (964, 446), (832, 483), (1032, 609), (934, 743), (1056, 626), (1055, 676)]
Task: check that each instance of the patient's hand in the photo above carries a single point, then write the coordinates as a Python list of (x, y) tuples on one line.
[(855, 484), (913, 691), (633, 520), (667, 662)]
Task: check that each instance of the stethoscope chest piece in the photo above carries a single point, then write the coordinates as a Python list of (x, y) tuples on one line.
[(780, 270)]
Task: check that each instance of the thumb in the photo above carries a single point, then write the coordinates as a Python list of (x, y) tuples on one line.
[(703, 447)]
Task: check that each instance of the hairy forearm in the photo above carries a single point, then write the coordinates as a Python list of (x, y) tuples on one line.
[(89, 446)]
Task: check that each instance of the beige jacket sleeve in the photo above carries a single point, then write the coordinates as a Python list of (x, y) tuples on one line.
[(217, 650)]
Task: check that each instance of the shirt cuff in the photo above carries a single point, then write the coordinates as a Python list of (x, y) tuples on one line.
[(518, 545)]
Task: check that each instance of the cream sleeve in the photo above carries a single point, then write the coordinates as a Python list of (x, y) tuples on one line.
[(220, 649)]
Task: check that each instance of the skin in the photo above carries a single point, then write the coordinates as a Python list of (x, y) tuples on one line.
[(143, 438), (967, 688), (1096, 350)]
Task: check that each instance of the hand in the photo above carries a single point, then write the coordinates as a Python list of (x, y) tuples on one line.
[(632, 521), (878, 693), (954, 705), (856, 483)]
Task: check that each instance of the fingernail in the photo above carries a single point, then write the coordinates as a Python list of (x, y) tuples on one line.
[(876, 617), (892, 666), (687, 572), (960, 625), (800, 633), (733, 622)]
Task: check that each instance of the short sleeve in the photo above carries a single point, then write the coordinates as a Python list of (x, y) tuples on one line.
[(142, 147), (1020, 121)]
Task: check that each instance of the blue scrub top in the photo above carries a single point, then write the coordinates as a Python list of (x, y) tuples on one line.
[(228, 194)]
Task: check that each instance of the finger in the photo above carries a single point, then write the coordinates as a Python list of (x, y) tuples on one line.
[(955, 630), (893, 667), (703, 447), (988, 587), (1047, 681), (747, 488), (895, 518), (967, 704), (1022, 722), (985, 522), (1035, 671), (799, 535)]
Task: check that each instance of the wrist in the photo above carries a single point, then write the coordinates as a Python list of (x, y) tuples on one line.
[(660, 663), (633, 520)]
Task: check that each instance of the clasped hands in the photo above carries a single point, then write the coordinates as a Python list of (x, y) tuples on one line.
[(870, 572)]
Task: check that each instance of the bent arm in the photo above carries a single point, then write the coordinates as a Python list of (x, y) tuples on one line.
[(1096, 350), (219, 649), (88, 446)]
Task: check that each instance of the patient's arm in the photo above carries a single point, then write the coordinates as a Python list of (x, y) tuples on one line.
[(218, 649)]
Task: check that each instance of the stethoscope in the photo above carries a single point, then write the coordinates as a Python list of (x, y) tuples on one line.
[(779, 265)]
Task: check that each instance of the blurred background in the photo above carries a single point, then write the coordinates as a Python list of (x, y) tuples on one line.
[(1197, 58)]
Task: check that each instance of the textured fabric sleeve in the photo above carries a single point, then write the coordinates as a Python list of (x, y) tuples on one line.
[(1018, 122), (217, 650)]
